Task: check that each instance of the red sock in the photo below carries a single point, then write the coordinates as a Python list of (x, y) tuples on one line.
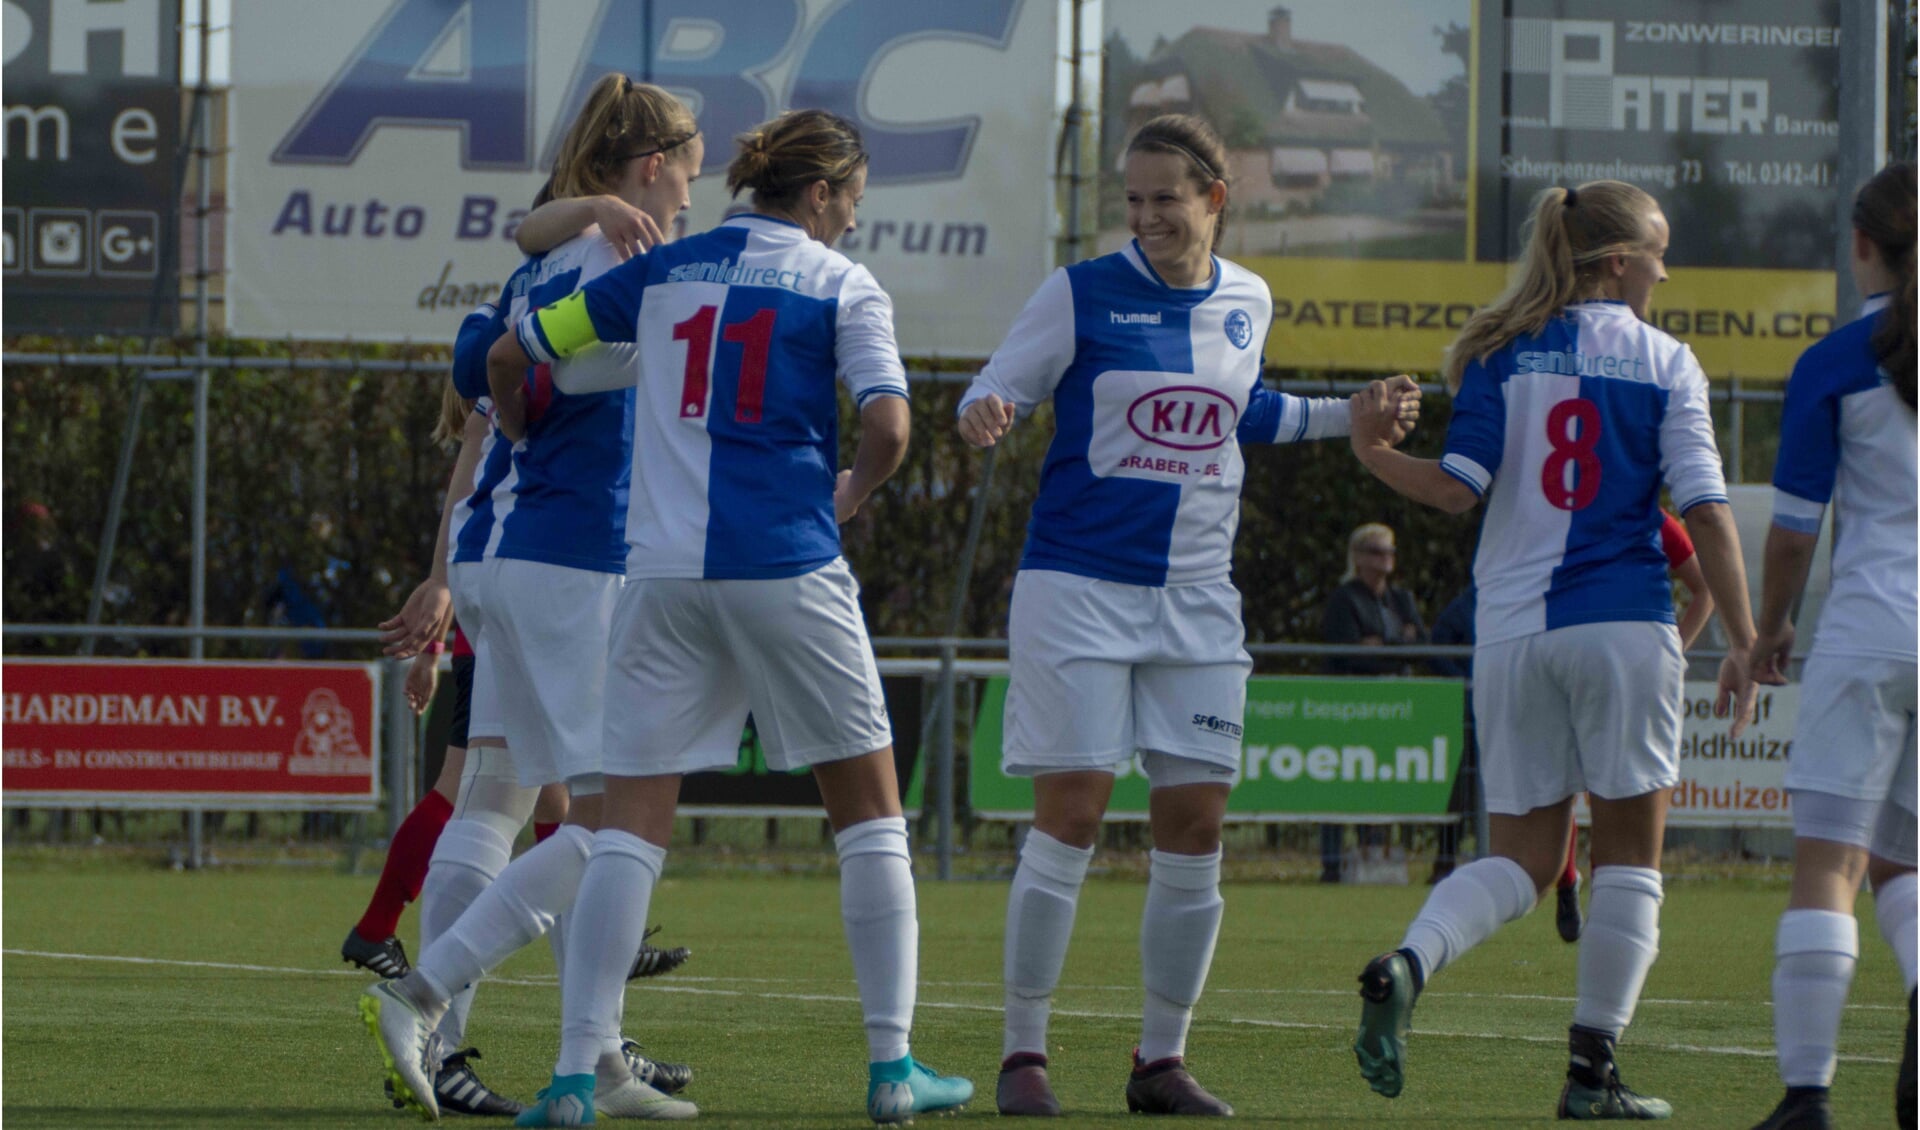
[(406, 866), (542, 831), (1571, 876)]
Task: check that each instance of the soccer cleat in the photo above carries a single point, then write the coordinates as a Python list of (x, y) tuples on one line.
[(1566, 914), (901, 1088), (460, 1091), (1904, 1098), (567, 1101), (1804, 1108), (1165, 1087), (1594, 1090), (652, 962), (409, 1047), (667, 1078), (386, 959), (1386, 1011), (1023, 1088)]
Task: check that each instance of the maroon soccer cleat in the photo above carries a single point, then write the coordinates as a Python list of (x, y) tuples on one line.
[(1165, 1087), (1023, 1088)]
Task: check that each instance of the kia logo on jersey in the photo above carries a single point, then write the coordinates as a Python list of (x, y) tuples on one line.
[(1184, 417)]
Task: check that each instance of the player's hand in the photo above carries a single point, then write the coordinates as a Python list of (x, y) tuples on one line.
[(1375, 413), (845, 505), (1771, 651), (1404, 393), (627, 228), (422, 620), (422, 677), (1737, 691), (986, 420)]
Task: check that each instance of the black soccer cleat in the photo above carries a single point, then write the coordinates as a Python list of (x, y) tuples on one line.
[(652, 962), (1566, 914), (459, 1091), (386, 959), (666, 1078), (1804, 1108), (1594, 1092), (1166, 1087)]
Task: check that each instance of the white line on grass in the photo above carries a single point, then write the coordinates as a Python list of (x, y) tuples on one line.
[(955, 1006)]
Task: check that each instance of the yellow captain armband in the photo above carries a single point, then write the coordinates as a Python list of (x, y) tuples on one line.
[(563, 328)]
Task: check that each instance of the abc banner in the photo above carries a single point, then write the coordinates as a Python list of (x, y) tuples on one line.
[(1384, 156), (384, 150), (1311, 748), (93, 129), (138, 734)]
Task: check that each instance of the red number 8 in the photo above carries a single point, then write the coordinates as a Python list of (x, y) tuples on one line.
[(1572, 445)]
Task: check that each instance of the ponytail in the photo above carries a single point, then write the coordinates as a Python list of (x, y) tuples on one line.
[(1883, 211), (1569, 232)]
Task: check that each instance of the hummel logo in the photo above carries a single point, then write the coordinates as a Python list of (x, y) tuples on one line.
[(1119, 319)]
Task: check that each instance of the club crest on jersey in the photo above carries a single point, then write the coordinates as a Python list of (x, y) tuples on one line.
[(1239, 329), (1184, 417)]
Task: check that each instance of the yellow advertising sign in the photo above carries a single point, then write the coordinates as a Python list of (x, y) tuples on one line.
[(1378, 315)]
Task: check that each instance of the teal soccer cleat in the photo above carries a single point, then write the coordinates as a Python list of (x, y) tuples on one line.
[(1386, 1011), (905, 1087), (567, 1101)]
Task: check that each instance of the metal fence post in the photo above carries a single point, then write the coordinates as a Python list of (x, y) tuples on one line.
[(943, 760)]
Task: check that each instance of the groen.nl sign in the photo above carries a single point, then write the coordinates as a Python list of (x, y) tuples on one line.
[(1363, 747)]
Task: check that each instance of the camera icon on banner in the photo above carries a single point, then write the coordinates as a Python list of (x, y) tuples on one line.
[(76, 243)]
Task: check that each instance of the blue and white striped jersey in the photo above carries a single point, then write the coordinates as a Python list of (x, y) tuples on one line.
[(743, 331), (1569, 433), (1154, 388), (467, 537), (560, 496), (1846, 437)]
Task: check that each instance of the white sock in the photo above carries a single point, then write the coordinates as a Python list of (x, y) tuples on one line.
[(516, 908), (878, 909), (1178, 928), (607, 922), (1465, 909), (1895, 906), (467, 857), (1814, 955), (1040, 907), (1621, 939)]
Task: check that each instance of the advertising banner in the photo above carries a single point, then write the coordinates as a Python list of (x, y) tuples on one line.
[(141, 734), (92, 96), (1312, 748), (1726, 783), (385, 150), (1384, 155)]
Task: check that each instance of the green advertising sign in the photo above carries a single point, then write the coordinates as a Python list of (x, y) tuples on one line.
[(1385, 748)]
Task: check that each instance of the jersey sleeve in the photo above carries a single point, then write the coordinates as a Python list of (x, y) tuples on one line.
[(478, 331), (1809, 459), (1689, 454), (865, 350), (1477, 435), (1037, 351), (1674, 541), (605, 310), (1273, 416)]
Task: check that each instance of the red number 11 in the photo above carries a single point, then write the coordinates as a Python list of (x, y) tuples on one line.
[(755, 335)]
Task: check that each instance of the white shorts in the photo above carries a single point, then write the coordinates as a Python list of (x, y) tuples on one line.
[(1852, 771), (1591, 707), (1102, 669), (690, 659), (546, 626), (483, 703)]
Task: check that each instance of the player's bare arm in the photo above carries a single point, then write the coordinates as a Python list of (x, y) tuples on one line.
[(885, 426)]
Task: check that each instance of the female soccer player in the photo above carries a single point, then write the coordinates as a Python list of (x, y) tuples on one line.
[(737, 597), (536, 572), (1847, 436), (1125, 632), (1568, 412)]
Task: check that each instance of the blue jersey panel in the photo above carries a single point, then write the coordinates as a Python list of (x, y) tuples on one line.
[(1839, 365), (471, 540), (477, 334), (1613, 568)]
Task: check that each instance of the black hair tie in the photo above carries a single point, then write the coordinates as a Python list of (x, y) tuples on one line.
[(1573, 197)]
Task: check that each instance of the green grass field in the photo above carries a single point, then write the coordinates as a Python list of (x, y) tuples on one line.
[(151, 998)]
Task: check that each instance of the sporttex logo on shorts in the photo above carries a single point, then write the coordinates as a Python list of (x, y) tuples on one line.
[(1215, 725)]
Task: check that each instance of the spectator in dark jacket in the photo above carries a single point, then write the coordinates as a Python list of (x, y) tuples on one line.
[(1366, 609)]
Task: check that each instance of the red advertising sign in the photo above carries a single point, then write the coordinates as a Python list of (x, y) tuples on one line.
[(166, 734)]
